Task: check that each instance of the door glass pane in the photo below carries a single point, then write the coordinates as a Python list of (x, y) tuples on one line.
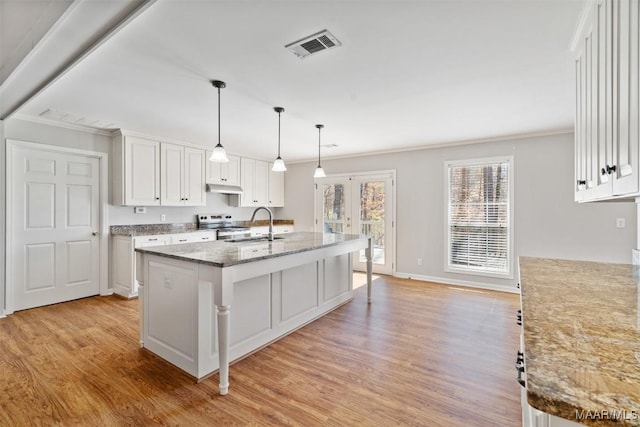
[(334, 208), (372, 202)]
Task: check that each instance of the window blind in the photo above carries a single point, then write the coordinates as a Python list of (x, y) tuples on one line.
[(479, 216)]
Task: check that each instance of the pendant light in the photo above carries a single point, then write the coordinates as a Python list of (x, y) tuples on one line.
[(278, 164), (319, 173), (219, 154)]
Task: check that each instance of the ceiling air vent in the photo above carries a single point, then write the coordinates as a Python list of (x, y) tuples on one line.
[(313, 44)]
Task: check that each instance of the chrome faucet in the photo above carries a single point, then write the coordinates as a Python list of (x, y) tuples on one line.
[(270, 220)]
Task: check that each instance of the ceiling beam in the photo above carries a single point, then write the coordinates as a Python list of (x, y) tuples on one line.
[(82, 29)]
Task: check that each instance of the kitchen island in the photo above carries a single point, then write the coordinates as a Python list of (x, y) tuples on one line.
[(205, 304), (581, 325)]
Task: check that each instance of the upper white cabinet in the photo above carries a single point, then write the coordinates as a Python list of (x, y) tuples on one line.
[(607, 72), (227, 173), (276, 188), (182, 175), (254, 179), (136, 171), (148, 172)]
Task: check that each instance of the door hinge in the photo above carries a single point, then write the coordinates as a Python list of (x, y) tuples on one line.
[(393, 223), (316, 185), (316, 222)]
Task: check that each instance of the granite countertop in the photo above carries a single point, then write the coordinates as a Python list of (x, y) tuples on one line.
[(186, 227), (223, 253), (581, 325)]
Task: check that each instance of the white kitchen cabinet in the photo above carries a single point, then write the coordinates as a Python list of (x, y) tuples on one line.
[(182, 175), (227, 173), (196, 236), (276, 188), (281, 229), (607, 103), (124, 257), (254, 179), (148, 172), (136, 171), (124, 282), (263, 230)]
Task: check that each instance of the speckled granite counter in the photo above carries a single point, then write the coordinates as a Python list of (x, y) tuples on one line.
[(225, 253), (187, 227), (582, 339), (151, 229)]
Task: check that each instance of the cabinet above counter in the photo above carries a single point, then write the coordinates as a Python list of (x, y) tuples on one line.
[(150, 171), (607, 127)]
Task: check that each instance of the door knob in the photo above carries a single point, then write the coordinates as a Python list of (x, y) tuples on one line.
[(95, 233)]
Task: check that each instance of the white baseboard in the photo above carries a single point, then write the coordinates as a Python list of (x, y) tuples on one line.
[(465, 283)]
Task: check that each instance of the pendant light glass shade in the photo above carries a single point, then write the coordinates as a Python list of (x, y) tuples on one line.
[(319, 173), (278, 164), (219, 154)]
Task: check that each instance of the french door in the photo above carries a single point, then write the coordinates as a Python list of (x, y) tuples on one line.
[(359, 204)]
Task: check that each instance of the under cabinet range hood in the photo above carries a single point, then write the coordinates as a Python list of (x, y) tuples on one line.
[(224, 189)]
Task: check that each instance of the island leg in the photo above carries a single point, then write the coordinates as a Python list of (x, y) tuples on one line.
[(224, 329), (369, 254), (223, 297)]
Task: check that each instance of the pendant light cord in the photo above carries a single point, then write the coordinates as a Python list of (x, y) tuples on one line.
[(278, 134), (218, 115), (319, 128)]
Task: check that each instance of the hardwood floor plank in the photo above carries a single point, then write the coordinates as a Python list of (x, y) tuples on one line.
[(421, 355)]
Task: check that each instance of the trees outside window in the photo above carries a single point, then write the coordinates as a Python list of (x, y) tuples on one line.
[(479, 216)]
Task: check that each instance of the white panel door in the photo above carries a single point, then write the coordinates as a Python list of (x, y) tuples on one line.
[(55, 222)]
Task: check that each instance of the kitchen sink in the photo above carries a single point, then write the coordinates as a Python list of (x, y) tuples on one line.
[(253, 239)]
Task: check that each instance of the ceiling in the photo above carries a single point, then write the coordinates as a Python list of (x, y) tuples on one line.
[(408, 74)]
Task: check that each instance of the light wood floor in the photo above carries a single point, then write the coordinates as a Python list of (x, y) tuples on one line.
[(420, 355)]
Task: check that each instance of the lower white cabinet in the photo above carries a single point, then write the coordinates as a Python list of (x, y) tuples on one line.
[(277, 229), (280, 229), (124, 258)]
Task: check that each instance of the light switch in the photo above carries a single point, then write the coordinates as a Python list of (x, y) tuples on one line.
[(620, 223)]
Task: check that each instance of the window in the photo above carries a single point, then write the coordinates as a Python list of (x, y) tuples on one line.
[(479, 216)]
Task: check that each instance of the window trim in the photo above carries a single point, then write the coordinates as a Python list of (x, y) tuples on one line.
[(447, 237)]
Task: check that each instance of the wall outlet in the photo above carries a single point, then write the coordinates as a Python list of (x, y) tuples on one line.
[(163, 218), (139, 209), (419, 261), (620, 223)]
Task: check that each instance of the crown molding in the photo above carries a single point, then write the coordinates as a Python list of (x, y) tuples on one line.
[(65, 125), (511, 137)]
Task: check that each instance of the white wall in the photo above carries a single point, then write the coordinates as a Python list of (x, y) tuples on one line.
[(547, 223)]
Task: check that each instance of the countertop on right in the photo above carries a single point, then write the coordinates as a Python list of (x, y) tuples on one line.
[(581, 325)]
